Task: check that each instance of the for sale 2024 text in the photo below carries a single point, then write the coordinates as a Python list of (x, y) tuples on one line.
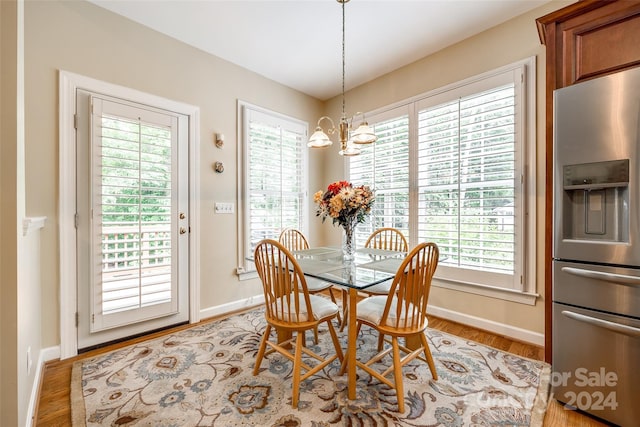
[(586, 399)]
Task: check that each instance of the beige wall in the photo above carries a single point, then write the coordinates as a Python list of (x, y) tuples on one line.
[(3, 248), (509, 42), (20, 288), (8, 215), (84, 39)]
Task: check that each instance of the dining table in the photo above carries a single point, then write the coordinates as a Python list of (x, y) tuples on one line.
[(369, 267)]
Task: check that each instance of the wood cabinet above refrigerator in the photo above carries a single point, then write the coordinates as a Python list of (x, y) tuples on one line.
[(587, 39)]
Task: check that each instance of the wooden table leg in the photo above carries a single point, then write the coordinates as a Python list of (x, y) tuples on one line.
[(352, 344), (413, 342), (283, 335)]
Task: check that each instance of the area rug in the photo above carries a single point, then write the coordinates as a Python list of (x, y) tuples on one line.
[(202, 376)]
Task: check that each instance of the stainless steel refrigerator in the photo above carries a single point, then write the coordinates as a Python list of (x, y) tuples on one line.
[(596, 247)]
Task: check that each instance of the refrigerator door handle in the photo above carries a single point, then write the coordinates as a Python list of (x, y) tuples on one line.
[(612, 326), (621, 279)]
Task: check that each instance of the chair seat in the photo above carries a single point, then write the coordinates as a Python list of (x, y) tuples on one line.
[(322, 308), (317, 285), (379, 289), (370, 310)]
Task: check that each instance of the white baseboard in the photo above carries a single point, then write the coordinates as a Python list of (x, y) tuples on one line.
[(46, 354), (232, 306), (509, 331), (49, 353), (33, 396)]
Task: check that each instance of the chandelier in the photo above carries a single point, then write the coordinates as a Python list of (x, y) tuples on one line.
[(363, 134)]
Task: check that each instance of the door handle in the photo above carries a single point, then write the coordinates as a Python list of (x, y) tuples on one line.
[(621, 279), (612, 326)]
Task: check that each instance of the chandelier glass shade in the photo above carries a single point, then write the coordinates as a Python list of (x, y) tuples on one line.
[(347, 136)]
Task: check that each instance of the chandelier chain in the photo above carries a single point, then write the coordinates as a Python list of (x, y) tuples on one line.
[(343, 58), (363, 134)]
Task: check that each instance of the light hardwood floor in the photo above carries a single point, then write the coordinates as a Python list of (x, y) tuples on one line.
[(54, 407)]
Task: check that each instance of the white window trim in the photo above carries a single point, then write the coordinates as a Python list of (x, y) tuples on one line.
[(246, 269), (528, 295)]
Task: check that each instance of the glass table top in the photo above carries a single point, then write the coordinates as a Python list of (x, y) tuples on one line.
[(368, 268)]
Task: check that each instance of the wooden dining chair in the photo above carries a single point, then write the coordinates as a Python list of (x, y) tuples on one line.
[(294, 240), (291, 309), (402, 313)]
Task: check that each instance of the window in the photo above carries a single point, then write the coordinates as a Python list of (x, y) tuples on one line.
[(450, 167), (274, 187)]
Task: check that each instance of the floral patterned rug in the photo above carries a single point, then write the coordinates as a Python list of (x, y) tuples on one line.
[(202, 376)]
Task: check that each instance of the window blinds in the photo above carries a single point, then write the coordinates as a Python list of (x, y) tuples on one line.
[(276, 184), (385, 167), (466, 176), (132, 209)]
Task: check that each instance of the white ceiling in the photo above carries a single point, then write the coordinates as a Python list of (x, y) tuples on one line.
[(299, 42)]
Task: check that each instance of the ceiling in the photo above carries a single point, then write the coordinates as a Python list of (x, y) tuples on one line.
[(299, 42)]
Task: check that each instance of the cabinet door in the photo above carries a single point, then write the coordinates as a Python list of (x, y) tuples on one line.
[(600, 42)]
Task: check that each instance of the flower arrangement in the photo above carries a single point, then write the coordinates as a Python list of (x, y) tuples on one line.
[(345, 204)]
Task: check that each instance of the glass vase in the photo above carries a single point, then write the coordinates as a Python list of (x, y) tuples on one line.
[(348, 241)]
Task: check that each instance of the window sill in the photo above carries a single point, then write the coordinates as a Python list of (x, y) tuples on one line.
[(520, 297), (246, 274)]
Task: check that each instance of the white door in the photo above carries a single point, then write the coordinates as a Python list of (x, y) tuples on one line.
[(132, 224)]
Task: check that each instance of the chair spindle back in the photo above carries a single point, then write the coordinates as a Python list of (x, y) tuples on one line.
[(285, 288), (293, 239), (410, 290), (387, 238)]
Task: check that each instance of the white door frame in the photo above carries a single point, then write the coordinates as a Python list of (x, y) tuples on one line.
[(67, 85)]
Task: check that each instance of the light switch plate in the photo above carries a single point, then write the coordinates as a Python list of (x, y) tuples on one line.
[(224, 207)]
